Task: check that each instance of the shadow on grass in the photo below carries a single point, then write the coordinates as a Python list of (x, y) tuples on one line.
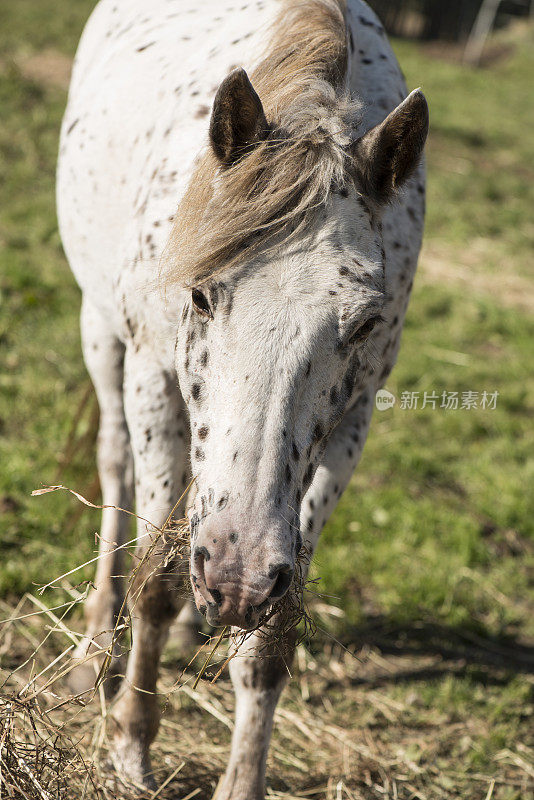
[(458, 650)]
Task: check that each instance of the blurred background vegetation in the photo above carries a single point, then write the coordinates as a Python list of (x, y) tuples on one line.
[(432, 546), (452, 20)]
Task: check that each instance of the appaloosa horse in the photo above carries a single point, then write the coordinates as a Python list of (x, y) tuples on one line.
[(246, 253)]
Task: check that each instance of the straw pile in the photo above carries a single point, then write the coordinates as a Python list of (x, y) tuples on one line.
[(338, 735), (335, 737)]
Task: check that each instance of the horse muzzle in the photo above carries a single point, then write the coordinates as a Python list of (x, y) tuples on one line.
[(227, 595)]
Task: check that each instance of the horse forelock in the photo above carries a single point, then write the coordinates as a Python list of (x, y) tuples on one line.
[(229, 213)]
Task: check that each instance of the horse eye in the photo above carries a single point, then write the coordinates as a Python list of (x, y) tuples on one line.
[(361, 334), (200, 304)]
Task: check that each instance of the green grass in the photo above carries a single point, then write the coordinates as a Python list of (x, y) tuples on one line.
[(481, 154), (435, 533), (42, 376), (438, 491)]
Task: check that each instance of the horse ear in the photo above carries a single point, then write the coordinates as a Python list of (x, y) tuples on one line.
[(237, 119), (386, 156)]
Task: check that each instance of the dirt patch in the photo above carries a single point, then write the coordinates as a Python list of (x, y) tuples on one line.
[(49, 67), (494, 52), (441, 265)]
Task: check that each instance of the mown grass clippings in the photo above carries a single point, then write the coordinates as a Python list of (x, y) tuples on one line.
[(39, 757), (350, 734), (341, 732)]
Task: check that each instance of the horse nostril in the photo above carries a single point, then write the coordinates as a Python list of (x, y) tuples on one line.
[(201, 554), (217, 596), (275, 569), (283, 574)]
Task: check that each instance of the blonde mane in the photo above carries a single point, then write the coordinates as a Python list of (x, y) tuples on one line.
[(228, 213)]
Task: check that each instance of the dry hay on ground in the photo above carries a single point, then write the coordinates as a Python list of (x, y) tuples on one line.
[(339, 734)]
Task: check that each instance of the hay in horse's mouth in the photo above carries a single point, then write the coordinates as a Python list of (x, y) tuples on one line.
[(172, 542), (286, 617)]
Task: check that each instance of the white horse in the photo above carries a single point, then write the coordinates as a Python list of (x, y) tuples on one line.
[(250, 354)]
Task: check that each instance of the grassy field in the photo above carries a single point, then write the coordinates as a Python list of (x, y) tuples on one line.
[(430, 555)]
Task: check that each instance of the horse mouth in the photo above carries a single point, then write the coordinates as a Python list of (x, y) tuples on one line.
[(253, 618)]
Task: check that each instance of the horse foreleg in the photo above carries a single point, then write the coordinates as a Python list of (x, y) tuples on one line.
[(159, 438), (155, 601), (259, 674), (340, 458), (104, 357)]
